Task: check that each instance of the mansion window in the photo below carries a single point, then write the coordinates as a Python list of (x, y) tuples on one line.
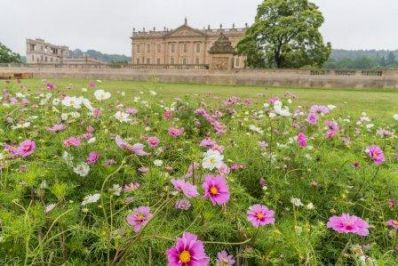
[(198, 47), (173, 47), (172, 61), (237, 62), (185, 47), (159, 48), (158, 61), (197, 60), (148, 48), (138, 61), (184, 61), (138, 48), (148, 61)]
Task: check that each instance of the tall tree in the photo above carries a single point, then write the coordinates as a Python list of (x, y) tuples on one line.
[(285, 34), (8, 56)]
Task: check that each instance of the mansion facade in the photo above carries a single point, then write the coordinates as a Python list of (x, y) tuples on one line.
[(183, 46)]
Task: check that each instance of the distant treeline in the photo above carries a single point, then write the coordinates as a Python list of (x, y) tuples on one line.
[(362, 59), (109, 58)]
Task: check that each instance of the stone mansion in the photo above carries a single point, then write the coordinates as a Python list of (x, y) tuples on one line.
[(185, 46)]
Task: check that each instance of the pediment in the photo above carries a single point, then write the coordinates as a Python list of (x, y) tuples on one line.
[(185, 31)]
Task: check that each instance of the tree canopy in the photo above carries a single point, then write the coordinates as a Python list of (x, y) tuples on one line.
[(8, 56), (285, 34)]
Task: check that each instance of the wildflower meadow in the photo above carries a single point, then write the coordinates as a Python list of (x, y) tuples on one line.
[(95, 173)]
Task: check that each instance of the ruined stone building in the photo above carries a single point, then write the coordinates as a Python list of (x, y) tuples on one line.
[(183, 46), (39, 51)]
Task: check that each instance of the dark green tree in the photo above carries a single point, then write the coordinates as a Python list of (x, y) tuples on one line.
[(390, 59), (285, 34), (8, 56)]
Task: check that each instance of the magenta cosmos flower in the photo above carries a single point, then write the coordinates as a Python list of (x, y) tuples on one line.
[(188, 251), (26, 148), (92, 158), (188, 189), (302, 140), (216, 189), (393, 223), (139, 218), (153, 141), (312, 118), (259, 215), (224, 259), (333, 128), (348, 224), (375, 154)]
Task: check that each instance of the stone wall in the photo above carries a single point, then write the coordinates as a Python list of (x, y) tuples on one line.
[(200, 74)]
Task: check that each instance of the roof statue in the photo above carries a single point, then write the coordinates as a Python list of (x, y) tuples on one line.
[(222, 46)]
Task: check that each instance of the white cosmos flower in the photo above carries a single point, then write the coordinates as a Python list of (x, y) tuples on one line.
[(82, 169), (122, 117), (281, 110), (212, 159), (158, 163), (296, 202), (116, 190), (102, 95), (395, 117), (331, 107), (91, 199), (50, 207)]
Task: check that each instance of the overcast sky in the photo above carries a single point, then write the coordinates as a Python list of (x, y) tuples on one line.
[(106, 25)]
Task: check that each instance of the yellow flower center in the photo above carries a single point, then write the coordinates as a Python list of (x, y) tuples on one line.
[(395, 222), (260, 215), (185, 256), (214, 190)]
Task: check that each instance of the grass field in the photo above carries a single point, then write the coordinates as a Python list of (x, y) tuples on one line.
[(377, 102)]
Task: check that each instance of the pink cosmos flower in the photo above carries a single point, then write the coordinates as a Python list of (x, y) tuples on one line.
[(137, 148), (188, 189), (312, 118), (96, 112), (175, 132), (319, 109), (224, 259), (11, 149), (26, 148), (348, 224), (143, 169), (153, 141), (131, 187), (50, 86), (333, 128), (92, 158), (259, 215), (167, 115), (223, 169), (183, 204), (192, 167), (132, 111), (376, 154), (188, 251), (139, 218), (216, 189), (302, 140), (56, 128), (393, 224), (72, 141)]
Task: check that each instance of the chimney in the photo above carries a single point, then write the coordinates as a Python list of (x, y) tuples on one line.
[(185, 21), (246, 25)]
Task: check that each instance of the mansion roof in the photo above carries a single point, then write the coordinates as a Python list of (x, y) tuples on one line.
[(186, 31)]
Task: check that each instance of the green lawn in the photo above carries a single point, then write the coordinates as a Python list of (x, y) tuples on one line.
[(379, 103)]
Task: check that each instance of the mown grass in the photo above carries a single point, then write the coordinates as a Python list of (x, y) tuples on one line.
[(377, 102)]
